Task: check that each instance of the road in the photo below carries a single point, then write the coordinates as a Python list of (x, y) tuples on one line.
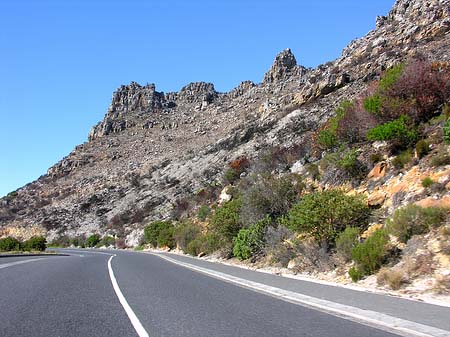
[(75, 296)]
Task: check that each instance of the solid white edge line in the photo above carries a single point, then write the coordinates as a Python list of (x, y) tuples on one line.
[(131, 315), (371, 318), (4, 265)]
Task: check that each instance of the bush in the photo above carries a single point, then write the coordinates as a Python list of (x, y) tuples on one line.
[(93, 240), (402, 159), (399, 130), (10, 244), (250, 240), (412, 219), (325, 214), (78, 241), (327, 138), (165, 237), (427, 182), (36, 243), (372, 104), (203, 212), (447, 131), (355, 274), (106, 241), (230, 176), (370, 255), (422, 148), (206, 243), (158, 232), (440, 159), (392, 277), (266, 194), (185, 233), (346, 241), (349, 163), (225, 220)]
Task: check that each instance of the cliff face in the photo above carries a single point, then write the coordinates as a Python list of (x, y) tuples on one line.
[(153, 148)]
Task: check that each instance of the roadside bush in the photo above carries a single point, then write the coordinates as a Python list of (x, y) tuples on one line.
[(78, 241), (9, 244), (427, 182), (225, 220), (206, 243), (394, 278), (346, 241), (185, 233), (93, 240), (153, 231), (370, 255), (36, 243), (400, 130), (355, 274), (250, 240), (165, 237), (412, 220), (325, 214), (106, 241), (266, 194)]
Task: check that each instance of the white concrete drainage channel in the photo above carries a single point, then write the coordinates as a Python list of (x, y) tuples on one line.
[(367, 317)]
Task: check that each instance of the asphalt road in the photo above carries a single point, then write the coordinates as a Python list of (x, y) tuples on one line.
[(74, 296)]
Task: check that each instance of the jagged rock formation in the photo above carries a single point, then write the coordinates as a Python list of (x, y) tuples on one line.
[(153, 148)]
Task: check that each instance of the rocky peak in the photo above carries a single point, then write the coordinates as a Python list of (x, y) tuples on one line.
[(419, 11), (198, 92), (284, 65)]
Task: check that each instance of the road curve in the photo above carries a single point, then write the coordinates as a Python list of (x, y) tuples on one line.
[(74, 296)]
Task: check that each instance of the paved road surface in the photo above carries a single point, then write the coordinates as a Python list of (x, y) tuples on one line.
[(74, 296)]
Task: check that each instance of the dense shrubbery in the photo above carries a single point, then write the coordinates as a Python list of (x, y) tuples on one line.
[(92, 240), (185, 233), (328, 138), (106, 241), (159, 233), (205, 243), (369, 255), (226, 221), (325, 214), (401, 130), (10, 244), (36, 243), (265, 194), (412, 219), (203, 212), (346, 241), (250, 240), (447, 131), (422, 148), (402, 159)]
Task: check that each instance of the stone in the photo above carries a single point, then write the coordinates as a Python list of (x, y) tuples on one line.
[(379, 171)]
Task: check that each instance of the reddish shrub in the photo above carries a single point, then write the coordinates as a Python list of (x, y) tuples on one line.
[(240, 164)]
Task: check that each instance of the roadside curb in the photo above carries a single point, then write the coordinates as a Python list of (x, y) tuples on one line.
[(367, 317), (27, 255)]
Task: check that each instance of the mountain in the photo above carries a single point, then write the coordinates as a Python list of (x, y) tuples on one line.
[(154, 150)]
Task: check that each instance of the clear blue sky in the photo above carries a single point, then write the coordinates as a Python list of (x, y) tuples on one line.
[(61, 60)]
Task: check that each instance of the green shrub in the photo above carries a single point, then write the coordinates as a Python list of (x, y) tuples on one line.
[(370, 255), (402, 159), (350, 163), (376, 157), (355, 274), (106, 241), (346, 241), (412, 219), (327, 137), (399, 130), (325, 214), (427, 182), (153, 230), (422, 148), (391, 77), (372, 104), (203, 212), (185, 233), (138, 248), (206, 243), (225, 220), (250, 240), (266, 194), (78, 241), (10, 244), (165, 237), (36, 243), (447, 131), (313, 171), (93, 240)]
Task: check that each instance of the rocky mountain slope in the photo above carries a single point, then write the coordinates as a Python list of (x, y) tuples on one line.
[(152, 149)]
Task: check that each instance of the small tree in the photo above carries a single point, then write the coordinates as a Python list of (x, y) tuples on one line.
[(225, 220), (9, 243), (38, 243), (153, 230), (250, 240), (325, 214)]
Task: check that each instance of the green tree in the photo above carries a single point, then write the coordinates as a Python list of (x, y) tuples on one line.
[(250, 240), (325, 214)]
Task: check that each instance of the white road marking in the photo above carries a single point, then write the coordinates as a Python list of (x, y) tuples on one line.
[(368, 317), (131, 315), (4, 265)]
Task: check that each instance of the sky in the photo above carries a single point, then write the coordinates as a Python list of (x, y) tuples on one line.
[(60, 61)]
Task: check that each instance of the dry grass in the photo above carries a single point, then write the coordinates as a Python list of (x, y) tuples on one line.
[(442, 285), (394, 278)]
